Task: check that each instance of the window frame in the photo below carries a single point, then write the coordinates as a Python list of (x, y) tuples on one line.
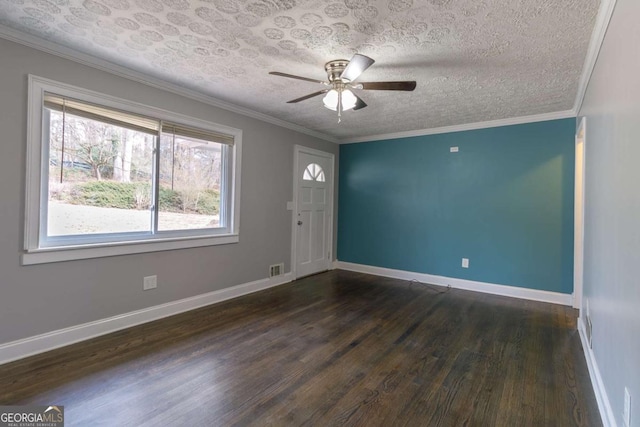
[(40, 249)]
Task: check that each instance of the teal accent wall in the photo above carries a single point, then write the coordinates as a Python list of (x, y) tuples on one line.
[(505, 201)]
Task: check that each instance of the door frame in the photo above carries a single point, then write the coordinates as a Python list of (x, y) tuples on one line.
[(297, 149), (578, 213)]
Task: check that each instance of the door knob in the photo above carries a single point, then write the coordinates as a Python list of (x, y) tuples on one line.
[(299, 222)]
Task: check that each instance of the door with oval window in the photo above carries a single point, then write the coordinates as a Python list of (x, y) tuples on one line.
[(313, 211)]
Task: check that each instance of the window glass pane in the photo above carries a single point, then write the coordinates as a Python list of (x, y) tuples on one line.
[(313, 172), (190, 183), (100, 177)]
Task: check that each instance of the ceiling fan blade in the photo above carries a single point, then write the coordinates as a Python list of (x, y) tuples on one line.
[(291, 76), (359, 103), (408, 85), (311, 95), (356, 66)]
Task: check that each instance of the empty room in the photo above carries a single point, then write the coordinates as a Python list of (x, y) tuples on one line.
[(319, 213)]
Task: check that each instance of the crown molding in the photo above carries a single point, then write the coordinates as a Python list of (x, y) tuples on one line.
[(469, 126), (605, 11), (109, 67)]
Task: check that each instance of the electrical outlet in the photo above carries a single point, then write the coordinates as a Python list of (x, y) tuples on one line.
[(586, 307), (149, 282), (588, 326), (453, 149), (626, 415), (465, 262)]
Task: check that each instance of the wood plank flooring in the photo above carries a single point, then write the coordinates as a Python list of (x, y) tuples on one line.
[(339, 348)]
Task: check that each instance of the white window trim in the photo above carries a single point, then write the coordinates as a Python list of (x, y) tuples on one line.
[(34, 199)]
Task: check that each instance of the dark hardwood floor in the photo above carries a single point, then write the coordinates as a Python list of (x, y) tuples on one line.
[(339, 348)]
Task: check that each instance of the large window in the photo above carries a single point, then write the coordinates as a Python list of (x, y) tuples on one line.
[(108, 177)]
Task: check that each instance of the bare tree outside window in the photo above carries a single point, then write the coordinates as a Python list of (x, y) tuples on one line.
[(190, 170)]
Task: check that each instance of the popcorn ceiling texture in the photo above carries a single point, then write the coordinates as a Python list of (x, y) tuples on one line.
[(474, 60)]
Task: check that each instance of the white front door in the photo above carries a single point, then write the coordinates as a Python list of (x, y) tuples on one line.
[(313, 209)]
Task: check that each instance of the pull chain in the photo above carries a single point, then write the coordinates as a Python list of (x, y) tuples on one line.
[(339, 105)]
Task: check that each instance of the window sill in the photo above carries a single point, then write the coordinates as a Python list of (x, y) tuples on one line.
[(59, 254)]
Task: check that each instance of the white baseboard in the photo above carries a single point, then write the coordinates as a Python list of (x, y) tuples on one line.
[(470, 285), (51, 340), (604, 405)]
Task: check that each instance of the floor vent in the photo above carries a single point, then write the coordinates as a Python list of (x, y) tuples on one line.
[(276, 270)]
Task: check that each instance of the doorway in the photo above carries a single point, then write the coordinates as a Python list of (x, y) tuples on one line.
[(313, 211)]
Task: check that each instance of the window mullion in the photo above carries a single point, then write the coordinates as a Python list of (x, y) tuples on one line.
[(155, 204), (225, 187)]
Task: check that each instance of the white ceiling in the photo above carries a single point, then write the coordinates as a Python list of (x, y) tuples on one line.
[(473, 60)]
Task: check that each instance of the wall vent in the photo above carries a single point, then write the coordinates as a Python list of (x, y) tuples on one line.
[(276, 270)]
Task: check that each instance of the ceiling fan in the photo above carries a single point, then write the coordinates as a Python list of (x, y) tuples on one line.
[(341, 74)]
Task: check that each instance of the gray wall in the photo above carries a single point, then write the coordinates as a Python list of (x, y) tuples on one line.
[(612, 208), (41, 298)]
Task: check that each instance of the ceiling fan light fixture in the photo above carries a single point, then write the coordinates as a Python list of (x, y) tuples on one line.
[(330, 100), (348, 100), (340, 76)]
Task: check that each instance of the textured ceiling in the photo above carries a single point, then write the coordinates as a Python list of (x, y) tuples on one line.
[(473, 60)]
